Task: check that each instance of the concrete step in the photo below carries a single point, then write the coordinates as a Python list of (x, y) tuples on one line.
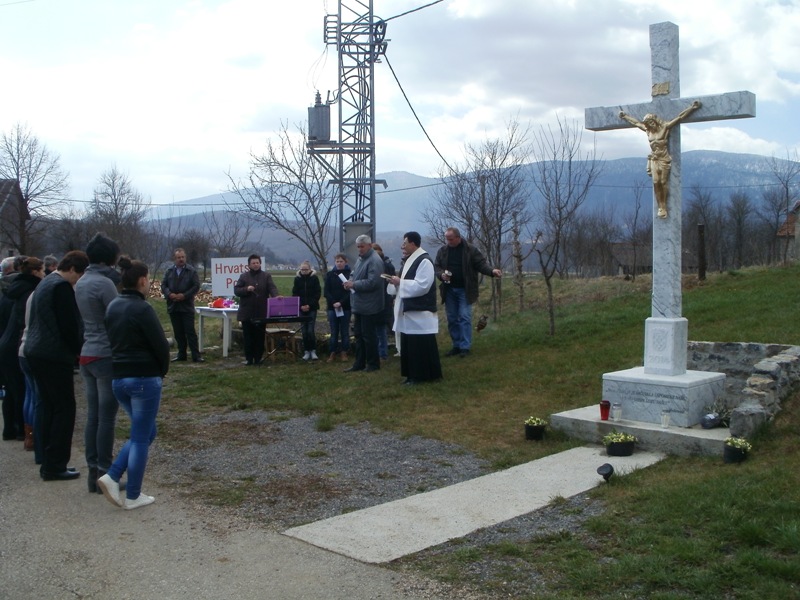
[(388, 531), (585, 424)]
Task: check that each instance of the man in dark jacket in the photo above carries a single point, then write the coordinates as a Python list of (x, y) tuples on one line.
[(179, 286), (457, 266), (53, 341)]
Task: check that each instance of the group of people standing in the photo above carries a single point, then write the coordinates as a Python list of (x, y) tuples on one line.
[(90, 312), (457, 266)]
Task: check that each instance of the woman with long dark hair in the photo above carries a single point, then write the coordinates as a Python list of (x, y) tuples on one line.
[(140, 360), (13, 303)]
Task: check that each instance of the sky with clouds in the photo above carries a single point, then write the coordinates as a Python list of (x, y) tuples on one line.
[(177, 93)]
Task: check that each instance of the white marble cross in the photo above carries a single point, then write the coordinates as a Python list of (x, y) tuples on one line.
[(666, 332)]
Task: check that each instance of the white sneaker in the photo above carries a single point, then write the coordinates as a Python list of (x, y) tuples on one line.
[(142, 500), (307, 356), (110, 489), (314, 355)]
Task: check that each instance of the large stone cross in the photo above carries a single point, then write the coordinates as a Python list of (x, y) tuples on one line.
[(666, 332)]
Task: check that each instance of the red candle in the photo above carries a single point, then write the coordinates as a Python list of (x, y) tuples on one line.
[(605, 407)]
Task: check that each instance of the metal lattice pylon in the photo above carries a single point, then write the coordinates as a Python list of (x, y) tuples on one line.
[(350, 160)]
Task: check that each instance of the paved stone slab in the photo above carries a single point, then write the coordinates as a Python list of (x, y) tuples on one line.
[(585, 424), (388, 531)]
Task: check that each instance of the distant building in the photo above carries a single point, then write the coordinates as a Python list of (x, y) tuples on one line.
[(631, 260), (787, 232), (13, 210)]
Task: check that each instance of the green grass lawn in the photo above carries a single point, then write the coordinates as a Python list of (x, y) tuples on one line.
[(685, 528)]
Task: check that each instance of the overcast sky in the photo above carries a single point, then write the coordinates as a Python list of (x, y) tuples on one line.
[(177, 93)]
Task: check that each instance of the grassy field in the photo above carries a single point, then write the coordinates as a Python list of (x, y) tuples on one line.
[(686, 528)]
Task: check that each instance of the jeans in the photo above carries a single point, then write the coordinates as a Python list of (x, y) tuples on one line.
[(459, 318), (140, 397), (183, 328), (340, 328), (382, 332), (309, 333), (101, 413), (30, 408)]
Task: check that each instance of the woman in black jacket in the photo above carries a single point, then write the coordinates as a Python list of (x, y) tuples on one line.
[(140, 360), (306, 287), (13, 303)]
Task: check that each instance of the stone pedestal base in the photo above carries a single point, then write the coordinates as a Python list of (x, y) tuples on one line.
[(644, 396), (665, 342)]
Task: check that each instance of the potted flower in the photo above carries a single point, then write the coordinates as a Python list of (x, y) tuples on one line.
[(534, 428), (736, 449), (619, 444)]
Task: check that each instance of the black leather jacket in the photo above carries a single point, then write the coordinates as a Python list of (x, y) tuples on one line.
[(139, 347)]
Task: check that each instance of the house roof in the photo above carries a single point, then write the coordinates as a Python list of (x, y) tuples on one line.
[(11, 192), (787, 229)]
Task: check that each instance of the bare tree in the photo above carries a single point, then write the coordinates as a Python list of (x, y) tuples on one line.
[(771, 214), (701, 208), (519, 254), (44, 185), (228, 231), (69, 232), (119, 210), (739, 212), (288, 190), (786, 172), (638, 228), (197, 247), (563, 179), (161, 236), (484, 195), (587, 248)]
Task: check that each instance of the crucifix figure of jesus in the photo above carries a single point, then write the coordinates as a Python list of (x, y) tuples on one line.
[(659, 163), (666, 331)]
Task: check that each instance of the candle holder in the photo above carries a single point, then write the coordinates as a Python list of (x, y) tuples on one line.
[(605, 408)]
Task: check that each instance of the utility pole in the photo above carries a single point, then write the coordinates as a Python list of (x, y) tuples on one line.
[(350, 159)]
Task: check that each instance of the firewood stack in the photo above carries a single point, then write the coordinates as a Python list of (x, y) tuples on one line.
[(202, 298)]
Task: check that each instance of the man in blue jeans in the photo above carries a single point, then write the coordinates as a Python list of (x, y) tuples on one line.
[(457, 266)]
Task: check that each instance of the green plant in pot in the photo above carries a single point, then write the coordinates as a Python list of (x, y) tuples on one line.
[(736, 449), (619, 443), (534, 428)]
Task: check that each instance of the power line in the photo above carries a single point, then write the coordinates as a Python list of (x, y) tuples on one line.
[(408, 12), (18, 2), (452, 170)]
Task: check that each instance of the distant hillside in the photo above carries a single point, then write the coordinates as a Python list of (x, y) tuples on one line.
[(400, 206)]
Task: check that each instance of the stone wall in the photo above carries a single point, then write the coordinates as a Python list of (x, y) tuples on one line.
[(759, 377)]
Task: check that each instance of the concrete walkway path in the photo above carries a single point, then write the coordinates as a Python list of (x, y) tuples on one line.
[(59, 542), (388, 531)]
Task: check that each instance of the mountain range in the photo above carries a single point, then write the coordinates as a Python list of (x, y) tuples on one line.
[(400, 206)]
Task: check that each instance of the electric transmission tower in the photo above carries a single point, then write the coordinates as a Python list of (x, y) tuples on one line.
[(350, 159)]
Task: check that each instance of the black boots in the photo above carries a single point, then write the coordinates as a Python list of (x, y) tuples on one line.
[(91, 481)]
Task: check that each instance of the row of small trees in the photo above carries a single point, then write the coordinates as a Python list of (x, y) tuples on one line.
[(485, 195), (44, 223)]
